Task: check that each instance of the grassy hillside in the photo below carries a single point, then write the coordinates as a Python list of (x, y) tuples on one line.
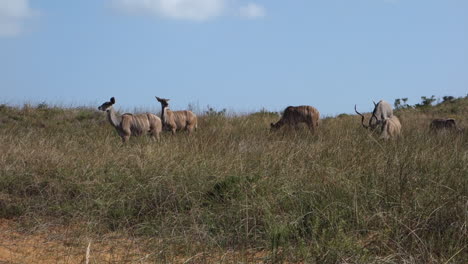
[(341, 195)]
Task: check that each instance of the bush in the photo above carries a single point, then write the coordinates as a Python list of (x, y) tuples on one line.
[(426, 102), (213, 112)]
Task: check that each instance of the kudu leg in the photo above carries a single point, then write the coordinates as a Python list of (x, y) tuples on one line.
[(190, 129), (311, 128)]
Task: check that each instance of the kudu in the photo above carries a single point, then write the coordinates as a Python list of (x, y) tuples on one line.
[(391, 128), (382, 115), (445, 124), (382, 110), (177, 120), (130, 124), (293, 115)]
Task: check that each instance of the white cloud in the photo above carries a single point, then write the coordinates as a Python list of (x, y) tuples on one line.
[(13, 14), (252, 10), (198, 10), (175, 9)]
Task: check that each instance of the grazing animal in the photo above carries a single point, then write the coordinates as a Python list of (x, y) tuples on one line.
[(382, 110), (383, 115), (391, 128), (130, 124), (177, 120), (449, 124), (293, 115)]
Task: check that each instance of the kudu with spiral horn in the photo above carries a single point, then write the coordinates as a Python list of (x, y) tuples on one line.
[(382, 115)]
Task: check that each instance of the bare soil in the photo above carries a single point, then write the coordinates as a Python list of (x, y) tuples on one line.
[(69, 245), (64, 245)]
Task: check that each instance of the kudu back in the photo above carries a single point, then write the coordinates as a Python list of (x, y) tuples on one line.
[(449, 124), (293, 115)]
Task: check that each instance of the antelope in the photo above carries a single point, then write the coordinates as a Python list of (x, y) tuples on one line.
[(293, 115), (176, 120), (449, 124), (382, 115), (391, 128), (382, 110), (130, 124)]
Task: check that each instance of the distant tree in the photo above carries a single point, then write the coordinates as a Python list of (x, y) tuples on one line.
[(448, 99), (397, 103), (401, 103), (42, 105), (213, 112), (426, 101), (343, 115), (265, 112)]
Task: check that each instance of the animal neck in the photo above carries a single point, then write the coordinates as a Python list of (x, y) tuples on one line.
[(113, 118), (165, 111), (280, 123)]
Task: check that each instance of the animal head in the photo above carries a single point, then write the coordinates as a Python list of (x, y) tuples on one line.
[(373, 121), (164, 102), (107, 105), (451, 123), (382, 110), (274, 126)]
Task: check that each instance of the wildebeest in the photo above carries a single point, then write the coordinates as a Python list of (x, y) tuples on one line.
[(382, 115), (449, 124), (176, 120), (293, 115), (130, 124)]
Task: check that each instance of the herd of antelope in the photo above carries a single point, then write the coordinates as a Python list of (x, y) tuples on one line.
[(138, 124)]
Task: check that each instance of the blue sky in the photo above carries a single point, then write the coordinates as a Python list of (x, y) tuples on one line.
[(234, 54)]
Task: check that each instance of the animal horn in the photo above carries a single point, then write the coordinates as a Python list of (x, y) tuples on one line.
[(374, 103), (362, 118), (373, 114)]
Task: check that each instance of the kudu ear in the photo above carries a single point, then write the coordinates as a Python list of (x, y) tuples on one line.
[(112, 100), (161, 99)]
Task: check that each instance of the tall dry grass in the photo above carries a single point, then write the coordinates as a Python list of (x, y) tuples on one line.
[(341, 195)]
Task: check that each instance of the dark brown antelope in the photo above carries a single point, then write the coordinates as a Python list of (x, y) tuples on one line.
[(383, 116), (132, 125), (444, 124), (293, 115), (177, 120)]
